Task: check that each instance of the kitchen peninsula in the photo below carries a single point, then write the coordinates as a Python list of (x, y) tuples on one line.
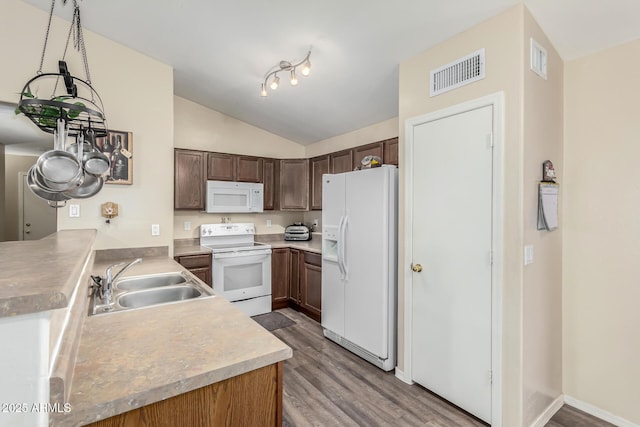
[(200, 360)]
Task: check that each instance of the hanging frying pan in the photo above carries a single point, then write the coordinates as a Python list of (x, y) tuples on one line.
[(55, 199), (59, 169)]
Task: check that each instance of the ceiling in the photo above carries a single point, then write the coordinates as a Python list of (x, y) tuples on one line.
[(220, 51)]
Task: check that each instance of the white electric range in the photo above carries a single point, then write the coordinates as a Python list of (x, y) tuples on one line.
[(241, 267)]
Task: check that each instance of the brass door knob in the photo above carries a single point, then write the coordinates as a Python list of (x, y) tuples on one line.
[(416, 268)]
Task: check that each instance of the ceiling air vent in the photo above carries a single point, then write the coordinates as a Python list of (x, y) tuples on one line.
[(457, 73)]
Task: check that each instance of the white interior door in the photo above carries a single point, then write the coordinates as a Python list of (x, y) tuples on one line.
[(38, 219), (452, 238)]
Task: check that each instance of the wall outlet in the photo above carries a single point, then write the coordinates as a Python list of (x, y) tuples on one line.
[(187, 225), (315, 222), (268, 223), (74, 211), (155, 229)]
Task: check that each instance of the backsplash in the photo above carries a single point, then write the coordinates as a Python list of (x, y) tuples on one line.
[(279, 220)]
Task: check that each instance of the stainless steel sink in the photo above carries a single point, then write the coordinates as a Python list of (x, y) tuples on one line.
[(153, 281), (136, 292), (149, 297)]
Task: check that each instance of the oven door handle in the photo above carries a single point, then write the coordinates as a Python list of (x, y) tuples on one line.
[(263, 253)]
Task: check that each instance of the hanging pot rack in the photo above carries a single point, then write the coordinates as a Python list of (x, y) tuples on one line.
[(71, 107), (70, 98)]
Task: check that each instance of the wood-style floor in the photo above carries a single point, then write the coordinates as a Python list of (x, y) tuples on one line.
[(326, 385)]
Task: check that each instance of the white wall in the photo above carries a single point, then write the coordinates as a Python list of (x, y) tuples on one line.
[(602, 231), (137, 92), (24, 369)]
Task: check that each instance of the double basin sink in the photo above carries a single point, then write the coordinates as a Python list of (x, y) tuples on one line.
[(150, 290)]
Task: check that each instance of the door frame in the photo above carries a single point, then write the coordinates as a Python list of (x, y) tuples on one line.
[(495, 100), (21, 176)]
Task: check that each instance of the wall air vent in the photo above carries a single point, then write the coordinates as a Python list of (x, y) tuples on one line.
[(457, 73)]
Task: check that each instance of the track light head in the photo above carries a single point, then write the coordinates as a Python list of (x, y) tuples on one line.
[(275, 82)]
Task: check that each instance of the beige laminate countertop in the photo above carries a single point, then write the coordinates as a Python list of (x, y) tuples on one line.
[(133, 358), (31, 279), (309, 246), (190, 247)]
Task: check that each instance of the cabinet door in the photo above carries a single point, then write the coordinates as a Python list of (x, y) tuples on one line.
[(318, 166), (279, 278), (189, 180), (248, 169), (341, 161), (311, 286), (199, 265), (294, 185), (374, 149), (391, 151), (270, 180), (221, 167), (294, 277)]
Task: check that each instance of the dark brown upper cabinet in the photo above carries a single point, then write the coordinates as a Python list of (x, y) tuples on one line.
[(294, 185), (189, 182), (233, 167), (318, 166), (391, 151), (359, 153), (341, 161), (270, 179), (221, 167)]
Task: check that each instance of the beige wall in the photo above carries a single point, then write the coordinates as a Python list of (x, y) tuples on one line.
[(542, 280), (377, 132), (201, 128), (138, 96), (501, 37), (14, 165), (602, 231), (2, 194)]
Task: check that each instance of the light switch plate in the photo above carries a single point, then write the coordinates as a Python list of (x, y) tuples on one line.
[(74, 211), (528, 254), (155, 229)]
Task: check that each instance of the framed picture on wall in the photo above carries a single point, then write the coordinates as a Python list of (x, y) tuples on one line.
[(118, 147)]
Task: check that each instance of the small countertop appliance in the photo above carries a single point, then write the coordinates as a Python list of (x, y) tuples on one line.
[(297, 231)]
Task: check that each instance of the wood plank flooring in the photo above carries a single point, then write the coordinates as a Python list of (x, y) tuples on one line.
[(326, 385)]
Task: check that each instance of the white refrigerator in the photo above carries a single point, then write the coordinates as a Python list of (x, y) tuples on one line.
[(359, 272)]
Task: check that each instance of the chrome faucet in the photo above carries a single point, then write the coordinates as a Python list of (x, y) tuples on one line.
[(106, 290)]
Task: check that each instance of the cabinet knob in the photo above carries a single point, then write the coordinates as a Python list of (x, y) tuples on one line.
[(416, 268), (28, 224)]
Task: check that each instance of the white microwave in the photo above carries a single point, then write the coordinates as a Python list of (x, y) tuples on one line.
[(231, 197)]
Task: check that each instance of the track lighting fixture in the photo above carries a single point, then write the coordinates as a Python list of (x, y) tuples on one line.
[(285, 66)]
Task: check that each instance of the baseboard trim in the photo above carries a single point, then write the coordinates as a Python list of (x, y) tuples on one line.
[(597, 412), (548, 413), (401, 377)]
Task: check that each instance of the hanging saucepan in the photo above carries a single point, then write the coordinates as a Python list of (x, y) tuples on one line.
[(55, 199), (59, 169), (95, 163), (91, 184)]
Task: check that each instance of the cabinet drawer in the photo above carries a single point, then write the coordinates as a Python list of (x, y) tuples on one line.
[(313, 259), (195, 261)]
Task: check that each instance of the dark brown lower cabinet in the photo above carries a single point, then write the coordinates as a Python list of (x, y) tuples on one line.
[(199, 265), (279, 278), (251, 399), (311, 285), (294, 278), (296, 281)]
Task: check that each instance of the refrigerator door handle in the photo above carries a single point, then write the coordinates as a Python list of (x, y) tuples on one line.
[(343, 238), (340, 245)]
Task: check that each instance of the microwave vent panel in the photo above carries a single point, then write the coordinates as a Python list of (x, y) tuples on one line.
[(457, 73)]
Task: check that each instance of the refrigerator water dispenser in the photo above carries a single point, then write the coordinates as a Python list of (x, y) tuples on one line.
[(330, 243)]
